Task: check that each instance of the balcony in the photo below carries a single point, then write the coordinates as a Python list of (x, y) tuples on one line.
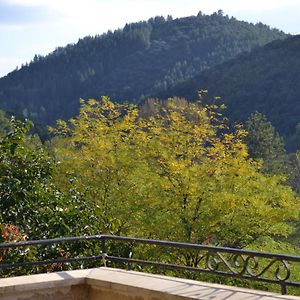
[(112, 283)]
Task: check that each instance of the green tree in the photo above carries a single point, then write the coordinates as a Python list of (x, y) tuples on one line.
[(265, 144), (27, 197)]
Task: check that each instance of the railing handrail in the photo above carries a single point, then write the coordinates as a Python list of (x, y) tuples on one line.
[(49, 241), (148, 241), (214, 256)]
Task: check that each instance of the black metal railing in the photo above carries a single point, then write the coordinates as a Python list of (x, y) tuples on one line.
[(229, 262)]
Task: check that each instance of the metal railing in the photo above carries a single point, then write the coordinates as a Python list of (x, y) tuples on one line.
[(229, 262)]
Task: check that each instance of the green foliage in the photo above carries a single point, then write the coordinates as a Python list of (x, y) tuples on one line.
[(264, 143), (28, 199)]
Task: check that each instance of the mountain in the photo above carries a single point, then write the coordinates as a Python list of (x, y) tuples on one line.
[(265, 80), (141, 60)]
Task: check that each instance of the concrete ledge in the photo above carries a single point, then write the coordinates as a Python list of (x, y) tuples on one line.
[(115, 284), (59, 286)]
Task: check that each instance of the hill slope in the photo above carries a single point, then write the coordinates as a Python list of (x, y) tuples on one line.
[(128, 64), (265, 80)]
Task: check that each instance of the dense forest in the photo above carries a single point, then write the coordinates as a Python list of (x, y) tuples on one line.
[(265, 80), (131, 64)]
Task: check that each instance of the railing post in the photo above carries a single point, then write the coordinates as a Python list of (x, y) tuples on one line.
[(129, 266), (103, 250), (283, 288)]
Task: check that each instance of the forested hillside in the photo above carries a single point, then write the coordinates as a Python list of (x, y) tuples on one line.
[(130, 64), (265, 80)]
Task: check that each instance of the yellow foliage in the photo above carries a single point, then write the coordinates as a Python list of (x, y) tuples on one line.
[(178, 174)]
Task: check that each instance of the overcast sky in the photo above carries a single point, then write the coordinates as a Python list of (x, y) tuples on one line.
[(29, 27)]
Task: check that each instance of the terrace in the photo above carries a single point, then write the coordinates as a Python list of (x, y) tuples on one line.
[(105, 280)]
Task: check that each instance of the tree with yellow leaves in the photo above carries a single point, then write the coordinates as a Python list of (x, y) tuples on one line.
[(210, 191), (177, 174)]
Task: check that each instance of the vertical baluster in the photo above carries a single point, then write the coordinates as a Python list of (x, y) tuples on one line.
[(103, 248)]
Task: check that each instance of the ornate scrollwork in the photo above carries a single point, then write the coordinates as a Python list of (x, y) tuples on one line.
[(251, 266), (248, 266), (286, 268), (212, 262)]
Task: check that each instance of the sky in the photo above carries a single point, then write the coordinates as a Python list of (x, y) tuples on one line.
[(29, 27)]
